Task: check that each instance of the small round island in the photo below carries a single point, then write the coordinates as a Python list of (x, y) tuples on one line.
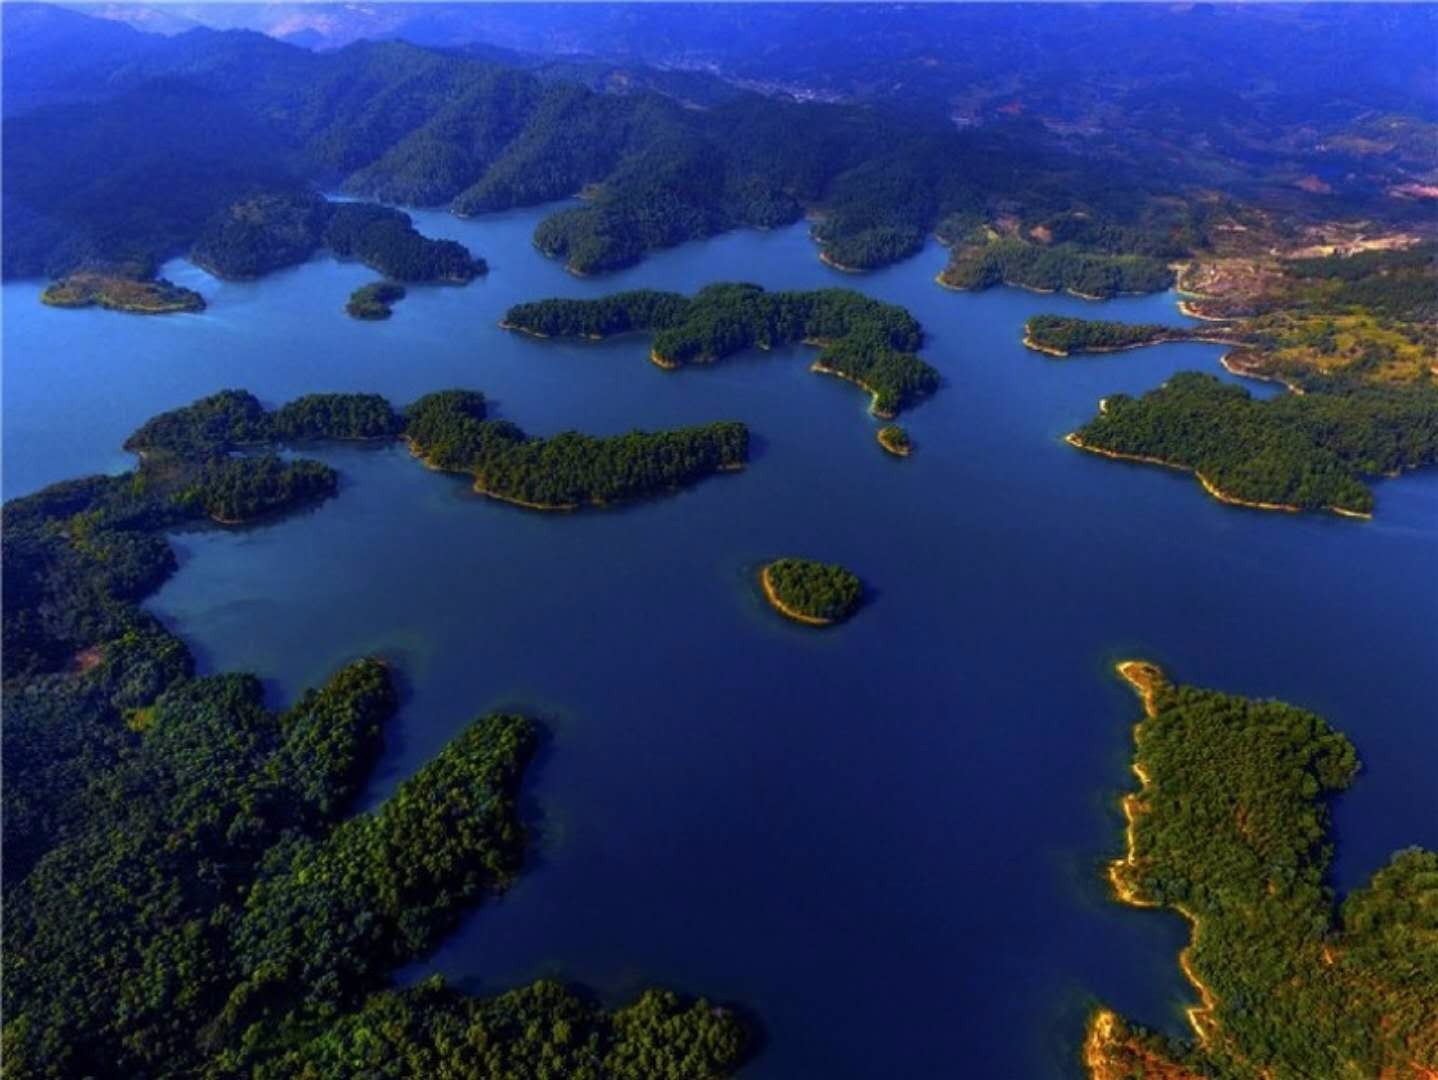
[(375, 301), (814, 593), (895, 440)]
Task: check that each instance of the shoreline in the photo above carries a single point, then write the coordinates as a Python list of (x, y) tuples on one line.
[(115, 292), (1147, 679), (1178, 339), (477, 486), (1185, 307), (898, 450), (1047, 350), (1248, 373), (783, 608), (663, 362), (824, 369), (827, 261), (514, 500), (939, 280), (1073, 439), (517, 329)]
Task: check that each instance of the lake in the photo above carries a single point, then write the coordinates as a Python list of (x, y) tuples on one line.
[(885, 839)]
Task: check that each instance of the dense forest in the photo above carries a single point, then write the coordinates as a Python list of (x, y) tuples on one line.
[(812, 591), (1051, 267), (1232, 829), (235, 490), (450, 430), (1305, 451), (265, 232), (214, 120), (1062, 335), (335, 416), (186, 889), (865, 340), (541, 1030)]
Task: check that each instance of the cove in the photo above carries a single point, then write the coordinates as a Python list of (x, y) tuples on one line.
[(885, 838)]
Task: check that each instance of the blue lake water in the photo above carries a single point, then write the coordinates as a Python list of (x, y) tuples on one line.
[(885, 839)]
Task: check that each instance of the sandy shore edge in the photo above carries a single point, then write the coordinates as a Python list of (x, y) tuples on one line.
[(783, 608)]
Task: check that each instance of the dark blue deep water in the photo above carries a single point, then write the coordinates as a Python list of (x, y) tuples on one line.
[(885, 839)]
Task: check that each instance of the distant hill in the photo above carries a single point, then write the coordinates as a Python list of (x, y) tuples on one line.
[(174, 129), (53, 54), (923, 143)]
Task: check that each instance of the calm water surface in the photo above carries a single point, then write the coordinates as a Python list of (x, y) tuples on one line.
[(885, 839)]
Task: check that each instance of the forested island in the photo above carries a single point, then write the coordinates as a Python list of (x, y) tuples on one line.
[(1230, 828), (375, 301), (265, 232), (863, 340), (815, 593), (449, 431), (1062, 335), (895, 440), (188, 890), (118, 292)]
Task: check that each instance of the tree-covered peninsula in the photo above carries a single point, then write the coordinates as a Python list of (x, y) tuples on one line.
[(1230, 827), (214, 458), (811, 592), (188, 890), (233, 491), (119, 292), (375, 300), (1293, 452), (1051, 267), (863, 340), (450, 430), (1062, 335), (267, 231)]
